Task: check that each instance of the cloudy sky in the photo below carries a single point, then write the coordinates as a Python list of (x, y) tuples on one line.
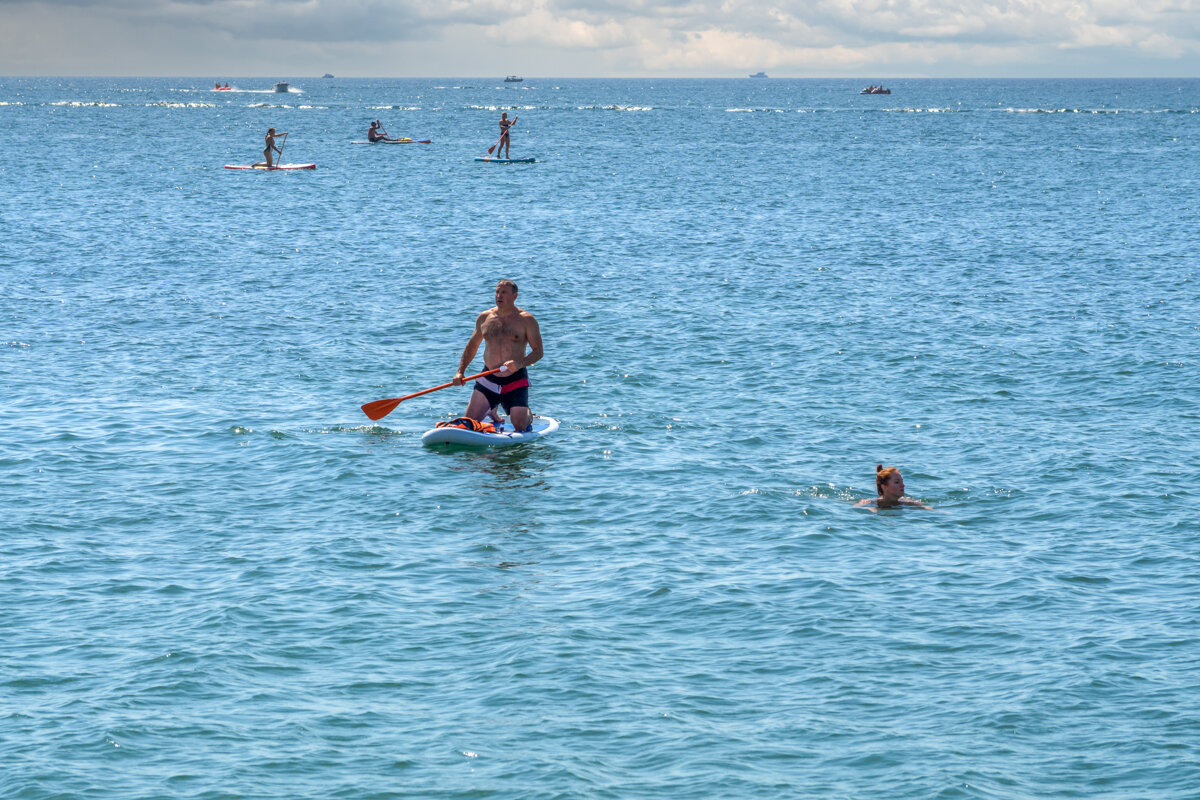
[(594, 38)]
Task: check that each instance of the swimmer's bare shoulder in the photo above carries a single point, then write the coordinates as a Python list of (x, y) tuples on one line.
[(872, 504)]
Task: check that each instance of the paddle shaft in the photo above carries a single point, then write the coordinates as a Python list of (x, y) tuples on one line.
[(506, 130), (378, 409), (279, 150)]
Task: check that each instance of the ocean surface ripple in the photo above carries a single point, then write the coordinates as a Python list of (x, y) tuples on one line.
[(221, 581)]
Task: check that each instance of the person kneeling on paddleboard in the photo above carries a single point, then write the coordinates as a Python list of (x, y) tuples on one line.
[(512, 341), (271, 134)]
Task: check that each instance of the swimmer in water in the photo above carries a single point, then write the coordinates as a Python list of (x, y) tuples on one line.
[(889, 485)]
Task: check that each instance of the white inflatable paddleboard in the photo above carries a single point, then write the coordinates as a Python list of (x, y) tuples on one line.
[(542, 426), (278, 166), (396, 141)]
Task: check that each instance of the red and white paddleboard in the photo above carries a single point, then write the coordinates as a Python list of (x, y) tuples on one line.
[(265, 167)]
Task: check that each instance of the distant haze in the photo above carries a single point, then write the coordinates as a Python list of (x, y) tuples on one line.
[(602, 38)]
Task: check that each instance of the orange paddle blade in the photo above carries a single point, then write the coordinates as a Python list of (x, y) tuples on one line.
[(378, 409)]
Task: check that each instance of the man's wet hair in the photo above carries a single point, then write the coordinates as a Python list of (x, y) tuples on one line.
[(509, 284)]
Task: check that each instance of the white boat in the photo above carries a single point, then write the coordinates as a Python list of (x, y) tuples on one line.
[(281, 86), (759, 75)]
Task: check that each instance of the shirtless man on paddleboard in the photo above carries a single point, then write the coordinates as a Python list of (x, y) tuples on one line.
[(506, 331)]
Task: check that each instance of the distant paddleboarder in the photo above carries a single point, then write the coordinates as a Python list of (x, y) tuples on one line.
[(506, 332), (271, 148), (505, 125), (376, 133)]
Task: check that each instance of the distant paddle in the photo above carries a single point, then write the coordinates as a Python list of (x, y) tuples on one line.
[(378, 409), (506, 130), (282, 145)]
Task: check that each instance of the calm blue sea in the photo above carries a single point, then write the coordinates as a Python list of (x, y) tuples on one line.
[(220, 581)]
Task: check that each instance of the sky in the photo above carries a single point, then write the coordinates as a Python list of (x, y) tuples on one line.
[(876, 39)]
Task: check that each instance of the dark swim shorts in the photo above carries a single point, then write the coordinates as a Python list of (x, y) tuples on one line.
[(506, 390)]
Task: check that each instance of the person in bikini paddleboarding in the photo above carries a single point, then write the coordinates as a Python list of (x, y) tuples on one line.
[(271, 148), (506, 333), (889, 486), (505, 124)]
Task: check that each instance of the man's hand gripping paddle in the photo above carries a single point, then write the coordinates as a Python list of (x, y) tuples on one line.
[(378, 409)]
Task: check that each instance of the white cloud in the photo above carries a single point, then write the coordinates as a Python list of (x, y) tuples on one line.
[(613, 37), (540, 27)]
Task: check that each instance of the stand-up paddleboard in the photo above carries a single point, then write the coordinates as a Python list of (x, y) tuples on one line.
[(494, 160), (542, 426), (264, 166), (396, 141)]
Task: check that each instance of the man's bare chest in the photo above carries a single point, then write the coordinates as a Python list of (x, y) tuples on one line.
[(508, 329)]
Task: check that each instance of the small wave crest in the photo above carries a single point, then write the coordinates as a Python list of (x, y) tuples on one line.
[(1064, 111)]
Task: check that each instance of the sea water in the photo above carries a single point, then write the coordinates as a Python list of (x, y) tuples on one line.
[(218, 579)]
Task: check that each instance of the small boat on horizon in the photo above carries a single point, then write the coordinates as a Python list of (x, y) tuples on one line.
[(327, 75), (875, 90), (281, 86), (759, 75), (513, 79)]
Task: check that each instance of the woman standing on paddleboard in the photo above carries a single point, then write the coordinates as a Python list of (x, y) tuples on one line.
[(505, 124), (889, 486)]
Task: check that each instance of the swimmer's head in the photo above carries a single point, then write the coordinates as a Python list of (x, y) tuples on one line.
[(885, 476)]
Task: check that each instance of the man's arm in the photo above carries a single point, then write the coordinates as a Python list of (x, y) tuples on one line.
[(468, 354), (533, 335)]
